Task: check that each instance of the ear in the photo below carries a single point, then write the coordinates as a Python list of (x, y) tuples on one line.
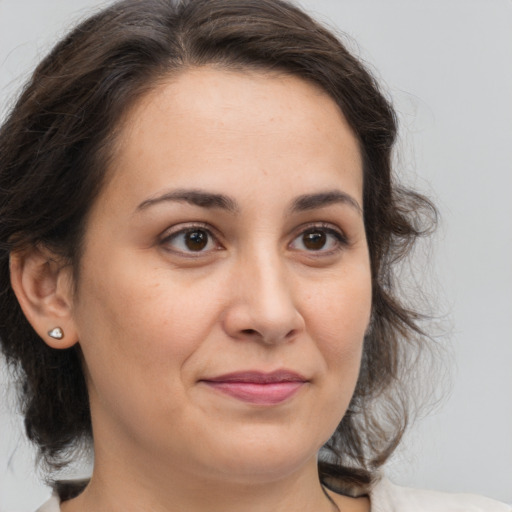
[(43, 285)]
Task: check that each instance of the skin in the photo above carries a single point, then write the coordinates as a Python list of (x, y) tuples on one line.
[(155, 318)]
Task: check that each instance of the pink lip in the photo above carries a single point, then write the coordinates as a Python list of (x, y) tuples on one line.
[(258, 387)]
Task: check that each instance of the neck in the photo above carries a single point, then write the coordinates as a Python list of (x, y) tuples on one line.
[(135, 487), (142, 478)]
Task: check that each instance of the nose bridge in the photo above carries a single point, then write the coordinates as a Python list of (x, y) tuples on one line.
[(266, 302), (268, 282)]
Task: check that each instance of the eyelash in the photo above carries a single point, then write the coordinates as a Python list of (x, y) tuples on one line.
[(197, 227), (340, 240)]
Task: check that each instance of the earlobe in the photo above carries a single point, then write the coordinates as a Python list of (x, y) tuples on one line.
[(43, 286)]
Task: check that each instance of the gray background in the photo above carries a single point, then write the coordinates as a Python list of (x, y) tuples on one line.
[(448, 66)]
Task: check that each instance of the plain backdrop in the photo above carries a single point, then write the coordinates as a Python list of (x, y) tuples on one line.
[(447, 64)]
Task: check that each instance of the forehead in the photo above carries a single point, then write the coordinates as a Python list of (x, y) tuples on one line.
[(206, 123)]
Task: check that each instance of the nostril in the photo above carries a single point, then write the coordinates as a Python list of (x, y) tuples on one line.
[(251, 332)]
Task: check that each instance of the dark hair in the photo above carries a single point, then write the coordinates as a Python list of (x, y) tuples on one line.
[(54, 150)]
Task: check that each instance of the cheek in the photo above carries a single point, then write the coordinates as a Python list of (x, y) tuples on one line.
[(341, 309), (145, 319), (138, 331), (338, 320)]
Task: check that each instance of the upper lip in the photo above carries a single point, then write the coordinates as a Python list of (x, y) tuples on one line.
[(259, 377)]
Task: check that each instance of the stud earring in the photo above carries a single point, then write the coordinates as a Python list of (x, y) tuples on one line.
[(56, 333)]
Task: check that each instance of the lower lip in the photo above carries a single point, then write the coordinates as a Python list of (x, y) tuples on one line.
[(258, 393)]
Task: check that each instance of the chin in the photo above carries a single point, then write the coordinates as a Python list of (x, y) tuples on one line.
[(260, 461)]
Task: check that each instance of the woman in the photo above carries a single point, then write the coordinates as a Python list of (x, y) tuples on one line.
[(199, 228)]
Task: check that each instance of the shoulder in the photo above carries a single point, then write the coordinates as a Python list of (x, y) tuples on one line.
[(387, 497), (52, 505)]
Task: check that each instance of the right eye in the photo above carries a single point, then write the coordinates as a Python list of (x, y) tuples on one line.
[(192, 239)]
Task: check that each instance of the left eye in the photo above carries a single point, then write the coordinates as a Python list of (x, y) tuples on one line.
[(318, 239), (191, 240)]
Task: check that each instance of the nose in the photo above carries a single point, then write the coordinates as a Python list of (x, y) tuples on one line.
[(263, 304)]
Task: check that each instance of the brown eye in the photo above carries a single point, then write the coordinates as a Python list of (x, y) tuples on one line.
[(320, 239), (191, 240), (196, 240), (314, 240)]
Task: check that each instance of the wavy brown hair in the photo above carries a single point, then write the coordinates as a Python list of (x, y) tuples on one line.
[(54, 150)]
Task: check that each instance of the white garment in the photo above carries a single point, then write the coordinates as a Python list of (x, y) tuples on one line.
[(387, 497)]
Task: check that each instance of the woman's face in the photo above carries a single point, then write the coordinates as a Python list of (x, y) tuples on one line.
[(225, 285)]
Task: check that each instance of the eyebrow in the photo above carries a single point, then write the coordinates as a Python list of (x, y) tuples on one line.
[(313, 201), (194, 197), (205, 199)]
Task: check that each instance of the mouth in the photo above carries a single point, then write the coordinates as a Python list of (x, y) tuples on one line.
[(259, 388)]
